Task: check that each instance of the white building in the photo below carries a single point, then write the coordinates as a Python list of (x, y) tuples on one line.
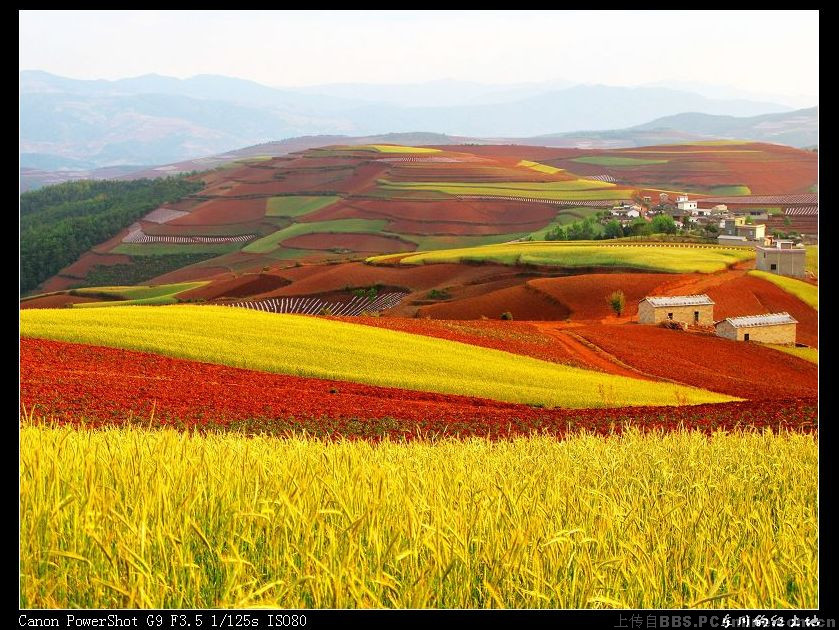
[(625, 213), (683, 203)]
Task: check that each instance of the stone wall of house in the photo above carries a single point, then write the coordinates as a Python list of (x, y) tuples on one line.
[(779, 333), (648, 314)]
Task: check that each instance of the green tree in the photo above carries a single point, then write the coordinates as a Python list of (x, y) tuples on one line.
[(617, 300), (559, 233), (639, 227), (663, 224), (749, 220), (582, 230), (613, 229)]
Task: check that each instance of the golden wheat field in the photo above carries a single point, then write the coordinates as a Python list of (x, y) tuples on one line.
[(157, 518)]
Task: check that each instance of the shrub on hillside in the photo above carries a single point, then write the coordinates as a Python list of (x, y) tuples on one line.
[(617, 300)]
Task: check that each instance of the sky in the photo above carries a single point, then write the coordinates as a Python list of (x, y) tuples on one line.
[(760, 53)]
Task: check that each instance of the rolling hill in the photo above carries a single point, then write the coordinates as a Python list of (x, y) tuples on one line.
[(256, 226)]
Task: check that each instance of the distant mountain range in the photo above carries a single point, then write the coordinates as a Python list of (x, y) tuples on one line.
[(799, 128), (83, 125)]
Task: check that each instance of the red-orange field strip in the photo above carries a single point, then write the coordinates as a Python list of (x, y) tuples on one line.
[(73, 383)]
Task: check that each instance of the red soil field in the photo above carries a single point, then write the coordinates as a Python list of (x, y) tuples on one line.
[(452, 217), (55, 301), (239, 286), (58, 283), (66, 382), (476, 173), (523, 302), (224, 212), (510, 336), (457, 212), (749, 295), (184, 205), (585, 296), (311, 279), (364, 177), (764, 168), (518, 151), (427, 228), (371, 243), (251, 188), (92, 259), (311, 180), (188, 274), (704, 360)]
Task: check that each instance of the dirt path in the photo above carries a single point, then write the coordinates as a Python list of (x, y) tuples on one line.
[(588, 353)]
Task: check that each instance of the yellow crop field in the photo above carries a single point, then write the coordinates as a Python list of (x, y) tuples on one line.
[(137, 518), (804, 291), (391, 148), (317, 347), (656, 257), (812, 259), (542, 168), (570, 189)]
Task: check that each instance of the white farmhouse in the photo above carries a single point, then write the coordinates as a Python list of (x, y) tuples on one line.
[(683, 203)]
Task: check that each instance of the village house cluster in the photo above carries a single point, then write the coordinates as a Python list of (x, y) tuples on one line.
[(698, 310), (741, 226)]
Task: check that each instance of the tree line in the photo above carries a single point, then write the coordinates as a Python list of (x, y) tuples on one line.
[(59, 223)]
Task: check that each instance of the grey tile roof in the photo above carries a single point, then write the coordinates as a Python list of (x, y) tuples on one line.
[(679, 300), (769, 319)]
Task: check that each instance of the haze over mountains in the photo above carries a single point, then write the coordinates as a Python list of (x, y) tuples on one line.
[(150, 120)]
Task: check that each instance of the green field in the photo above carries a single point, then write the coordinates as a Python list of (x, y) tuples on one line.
[(272, 241), (133, 295), (320, 348), (134, 518), (297, 205), (609, 160), (804, 291), (141, 269), (164, 249), (667, 258), (731, 191)]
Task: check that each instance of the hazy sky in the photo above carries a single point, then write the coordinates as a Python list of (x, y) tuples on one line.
[(767, 52)]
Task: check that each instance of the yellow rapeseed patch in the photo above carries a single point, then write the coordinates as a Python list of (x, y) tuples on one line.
[(317, 347), (649, 256), (133, 518)]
